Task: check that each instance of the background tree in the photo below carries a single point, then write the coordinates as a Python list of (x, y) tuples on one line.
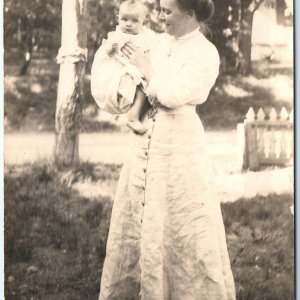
[(72, 57), (232, 30), (248, 8), (102, 19), (34, 26), (31, 25), (224, 28)]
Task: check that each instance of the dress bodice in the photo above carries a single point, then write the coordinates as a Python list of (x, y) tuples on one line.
[(185, 69)]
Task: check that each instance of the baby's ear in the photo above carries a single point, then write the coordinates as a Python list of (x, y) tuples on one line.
[(117, 18), (146, 21)]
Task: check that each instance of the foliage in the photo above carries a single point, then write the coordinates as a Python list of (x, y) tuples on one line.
[(102, 19), (225, 30), (232, 27), (37, 24), (32, 23), (232, 30), (55, 239)]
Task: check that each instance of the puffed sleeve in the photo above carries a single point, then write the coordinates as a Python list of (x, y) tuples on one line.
[(107, 80), (104, 83), (188, 84)]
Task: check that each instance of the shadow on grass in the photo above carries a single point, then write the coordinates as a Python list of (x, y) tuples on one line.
[(30, 100), (55, 239), (225, 109), (260, 236), (30, 103)]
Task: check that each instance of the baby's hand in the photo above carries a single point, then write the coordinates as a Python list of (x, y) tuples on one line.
[(112, 49)]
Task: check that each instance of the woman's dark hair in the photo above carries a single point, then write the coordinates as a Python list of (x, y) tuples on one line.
[(203, 9)]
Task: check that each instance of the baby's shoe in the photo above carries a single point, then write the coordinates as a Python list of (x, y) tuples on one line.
[(136, 126)]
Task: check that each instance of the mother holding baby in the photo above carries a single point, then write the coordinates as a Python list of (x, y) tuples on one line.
[(167, 238)]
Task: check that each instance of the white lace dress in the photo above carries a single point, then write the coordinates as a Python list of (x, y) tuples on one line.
[(167, 239)]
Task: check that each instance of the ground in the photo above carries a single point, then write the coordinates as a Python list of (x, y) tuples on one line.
[(56, 221), (55, 237), (112, 148)]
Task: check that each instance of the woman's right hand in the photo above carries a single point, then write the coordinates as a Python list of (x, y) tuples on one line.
[(138, 58)]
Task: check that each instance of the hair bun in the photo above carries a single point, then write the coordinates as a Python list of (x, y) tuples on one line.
[(204, 9)]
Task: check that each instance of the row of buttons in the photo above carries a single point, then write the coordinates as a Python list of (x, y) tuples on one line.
[(145, 169), (144, 186)]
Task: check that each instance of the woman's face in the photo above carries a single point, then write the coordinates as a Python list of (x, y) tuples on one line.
[(173, 18)]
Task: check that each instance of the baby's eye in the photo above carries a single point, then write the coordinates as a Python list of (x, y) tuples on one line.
[(166, 11), (124, 19), (135, 20)]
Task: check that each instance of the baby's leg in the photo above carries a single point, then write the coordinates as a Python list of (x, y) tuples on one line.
[(136, 109), (136, 112)]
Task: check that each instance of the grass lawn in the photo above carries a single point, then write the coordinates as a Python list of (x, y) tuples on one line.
[(55, 239)]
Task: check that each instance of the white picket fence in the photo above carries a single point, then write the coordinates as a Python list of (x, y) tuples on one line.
[(266, 139)]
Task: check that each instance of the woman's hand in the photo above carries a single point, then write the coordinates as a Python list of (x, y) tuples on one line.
[(138, 58)]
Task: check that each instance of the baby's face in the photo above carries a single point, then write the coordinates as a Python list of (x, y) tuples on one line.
[(131, 20)]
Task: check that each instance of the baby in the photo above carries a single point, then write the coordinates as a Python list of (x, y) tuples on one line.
[(131, 19)]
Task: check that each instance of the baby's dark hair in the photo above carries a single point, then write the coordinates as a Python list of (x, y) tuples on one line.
[(203, 9)]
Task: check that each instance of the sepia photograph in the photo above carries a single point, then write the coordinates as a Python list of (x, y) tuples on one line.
[(149, 149)]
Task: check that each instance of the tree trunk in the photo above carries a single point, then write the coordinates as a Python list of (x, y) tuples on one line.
[(27, 45), (26, 63), (248, 9), (280, 8), (71, 79), (245, 43)]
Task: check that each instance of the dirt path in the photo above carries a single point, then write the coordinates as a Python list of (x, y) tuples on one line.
[(107, 147), (111, 147)]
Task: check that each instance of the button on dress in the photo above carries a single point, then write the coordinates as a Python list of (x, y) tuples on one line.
[(166, 239)]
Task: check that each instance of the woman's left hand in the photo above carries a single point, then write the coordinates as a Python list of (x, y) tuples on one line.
[(138, 58)]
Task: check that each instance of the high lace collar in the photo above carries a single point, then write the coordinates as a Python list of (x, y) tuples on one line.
[(189, 35)]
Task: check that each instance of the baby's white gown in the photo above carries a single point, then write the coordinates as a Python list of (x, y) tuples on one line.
[(166, 238), (114, 78)]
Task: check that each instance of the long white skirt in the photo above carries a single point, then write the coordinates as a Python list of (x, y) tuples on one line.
[(166, 238)]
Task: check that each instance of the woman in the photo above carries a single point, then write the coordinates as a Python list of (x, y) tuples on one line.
[(167, 238)]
